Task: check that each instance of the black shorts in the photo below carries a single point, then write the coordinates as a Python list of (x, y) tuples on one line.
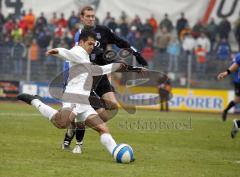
[(237, 89), (101, 85)]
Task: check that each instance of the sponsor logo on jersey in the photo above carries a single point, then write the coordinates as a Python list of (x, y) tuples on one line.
[(98, 35)]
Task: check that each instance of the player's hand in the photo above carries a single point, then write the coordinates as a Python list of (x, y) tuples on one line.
[(123, 67), (122, 61), (143, 71), (222, 75), (52, 52)]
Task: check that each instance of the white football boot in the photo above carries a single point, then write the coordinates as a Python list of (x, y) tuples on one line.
[(235, 128), (78, 148)]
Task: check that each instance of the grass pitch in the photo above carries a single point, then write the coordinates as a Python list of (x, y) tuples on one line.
[(165, 144)]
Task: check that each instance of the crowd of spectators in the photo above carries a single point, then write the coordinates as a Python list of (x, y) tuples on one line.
[(28, 37)]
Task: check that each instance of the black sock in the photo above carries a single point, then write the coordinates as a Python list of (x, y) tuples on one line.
[(80, 134), (69, 136), (167, 108), (230, 105), (238, 123)]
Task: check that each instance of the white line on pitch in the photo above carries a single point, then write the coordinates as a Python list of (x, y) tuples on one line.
[(19, 114)]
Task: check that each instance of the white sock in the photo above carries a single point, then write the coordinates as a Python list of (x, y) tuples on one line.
[(44, 109), (108, 141)]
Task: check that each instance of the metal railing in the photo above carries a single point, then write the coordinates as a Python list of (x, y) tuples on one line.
[(186, 74)]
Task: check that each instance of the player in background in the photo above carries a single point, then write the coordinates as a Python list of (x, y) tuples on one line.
[(233, 69), (164, 91), (236, 82), (101, 86), (78, 83)]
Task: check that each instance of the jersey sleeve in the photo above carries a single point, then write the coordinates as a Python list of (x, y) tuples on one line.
[(237, 59), (114, 39), (105, 69), (68, 55)]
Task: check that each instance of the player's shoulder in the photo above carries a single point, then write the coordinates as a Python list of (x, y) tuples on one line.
[(76, 50), (102, 28), (237, 58)]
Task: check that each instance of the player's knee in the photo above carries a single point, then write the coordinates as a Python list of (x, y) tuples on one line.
[(63, 118), (114, 106), (80, 125), (103, 129), (59, 123), (62, 126), (110, 105)]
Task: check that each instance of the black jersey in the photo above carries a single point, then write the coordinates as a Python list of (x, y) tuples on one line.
[(105, 36)]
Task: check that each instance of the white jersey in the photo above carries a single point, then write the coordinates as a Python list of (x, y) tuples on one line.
[(81, 72)]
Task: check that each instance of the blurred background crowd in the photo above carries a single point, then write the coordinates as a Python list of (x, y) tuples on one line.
[(179, 49)]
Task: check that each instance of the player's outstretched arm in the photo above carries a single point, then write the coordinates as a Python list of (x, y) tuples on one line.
[(121, 43), (139, 70), (107, 69), (139, 57), (222, 75), (52, 52), (64, 54), (231, 69)]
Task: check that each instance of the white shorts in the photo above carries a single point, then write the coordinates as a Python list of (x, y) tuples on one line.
[(81, 110)]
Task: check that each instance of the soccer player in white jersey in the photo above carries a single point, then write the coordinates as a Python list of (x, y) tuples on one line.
[(102, 87), (79, 82)]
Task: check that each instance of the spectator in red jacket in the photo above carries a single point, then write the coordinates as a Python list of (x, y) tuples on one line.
[(62, 21), (9, 26), (23, 25), (148, 52), (153, 22), (200, 53)]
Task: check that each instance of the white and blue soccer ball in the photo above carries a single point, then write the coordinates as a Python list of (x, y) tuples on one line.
[(123, 153)]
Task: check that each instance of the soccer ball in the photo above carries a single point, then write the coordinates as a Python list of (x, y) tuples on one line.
[(123, 153)]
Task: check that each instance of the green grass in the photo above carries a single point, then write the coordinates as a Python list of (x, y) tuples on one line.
[(30, 146)]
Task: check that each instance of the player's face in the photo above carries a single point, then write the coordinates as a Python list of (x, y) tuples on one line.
[(88, 45), (88, 19)]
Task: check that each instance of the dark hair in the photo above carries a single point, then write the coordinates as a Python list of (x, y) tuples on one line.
[(86, 33), (86, 8)]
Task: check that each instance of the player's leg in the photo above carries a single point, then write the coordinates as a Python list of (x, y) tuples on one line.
[(229, 106), (110, 100), (61, 119), (110, 106), (166, 102), (73, 130), (235, 129), (96, 123), (103, 100), (106, 107), (161, 101), (105, 113), (44, 109), (80, 131), (69, 135), (233, 102)]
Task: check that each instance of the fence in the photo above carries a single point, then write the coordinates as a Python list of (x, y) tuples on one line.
[(186, 74)]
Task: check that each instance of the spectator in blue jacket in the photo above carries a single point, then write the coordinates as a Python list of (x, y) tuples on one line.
[(223, 50), (173, 50)]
